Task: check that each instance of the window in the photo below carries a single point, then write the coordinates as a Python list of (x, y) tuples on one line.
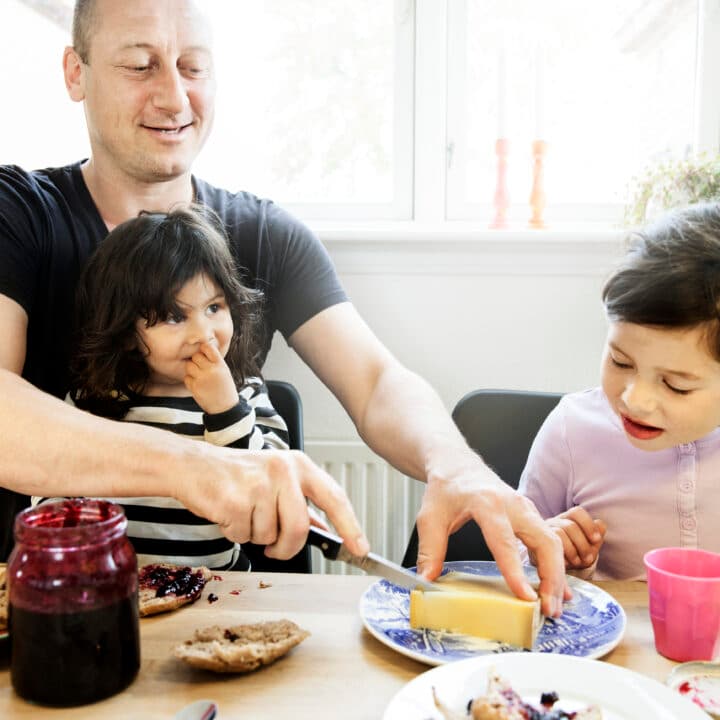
[(315, 104), (610, 86), (390, 109)]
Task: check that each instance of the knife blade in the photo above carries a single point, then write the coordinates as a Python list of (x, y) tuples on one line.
[(332, 548)]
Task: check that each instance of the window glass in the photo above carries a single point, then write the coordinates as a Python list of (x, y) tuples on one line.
[(41, 127), (305, 108), (616, 84)]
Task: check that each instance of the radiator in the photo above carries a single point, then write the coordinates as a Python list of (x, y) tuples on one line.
[(385, 500)]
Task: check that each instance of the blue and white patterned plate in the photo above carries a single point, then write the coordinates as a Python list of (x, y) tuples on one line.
[(591, 625)]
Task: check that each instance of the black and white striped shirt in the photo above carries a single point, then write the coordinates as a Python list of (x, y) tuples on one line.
[(161, 529)]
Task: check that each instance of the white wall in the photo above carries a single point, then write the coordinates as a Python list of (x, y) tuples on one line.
[(467, 309)]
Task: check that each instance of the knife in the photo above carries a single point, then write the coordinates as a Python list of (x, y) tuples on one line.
[(332, 548)]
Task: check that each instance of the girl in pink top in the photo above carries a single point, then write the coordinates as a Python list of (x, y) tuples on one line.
[(635, 464)]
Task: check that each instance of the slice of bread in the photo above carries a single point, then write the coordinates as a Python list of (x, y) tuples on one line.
[(240, 648), (164, 587)]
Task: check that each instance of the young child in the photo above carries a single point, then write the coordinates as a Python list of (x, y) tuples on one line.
[(640, 456), (167, 336)]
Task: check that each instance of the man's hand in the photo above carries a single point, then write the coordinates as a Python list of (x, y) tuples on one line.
[(210, 381), (581, 537), (471, 491), (259, 497)]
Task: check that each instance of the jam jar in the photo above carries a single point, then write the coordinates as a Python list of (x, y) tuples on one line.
[(73, 613)]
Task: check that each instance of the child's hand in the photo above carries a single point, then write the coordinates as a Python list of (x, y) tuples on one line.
[(209, 380), (582, 537)]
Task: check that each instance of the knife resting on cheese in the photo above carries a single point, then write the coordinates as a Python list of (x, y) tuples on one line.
[(457, 602)]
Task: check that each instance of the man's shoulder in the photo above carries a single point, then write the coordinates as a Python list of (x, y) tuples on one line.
[(230, 205), (41, 176), (245, 210), (21, 184)]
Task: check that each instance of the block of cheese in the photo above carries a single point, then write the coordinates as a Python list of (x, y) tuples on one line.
[(479, 606)]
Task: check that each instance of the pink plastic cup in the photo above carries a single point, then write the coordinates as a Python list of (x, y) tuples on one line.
[(684, 590)]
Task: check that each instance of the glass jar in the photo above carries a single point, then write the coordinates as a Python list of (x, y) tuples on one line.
[(73, 612)]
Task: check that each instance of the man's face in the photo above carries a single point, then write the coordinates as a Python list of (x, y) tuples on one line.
[(663, 384), (148, 87)]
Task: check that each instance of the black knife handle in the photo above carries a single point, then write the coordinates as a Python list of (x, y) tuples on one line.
[(328, 543)]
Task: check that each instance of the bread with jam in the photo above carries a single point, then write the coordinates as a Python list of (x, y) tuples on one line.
[(164, 587)]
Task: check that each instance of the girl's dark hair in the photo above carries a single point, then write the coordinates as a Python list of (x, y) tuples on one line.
[(137, 272), (670, 276)]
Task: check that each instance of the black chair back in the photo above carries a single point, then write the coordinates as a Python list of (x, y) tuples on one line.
[(500, 425), (287, 402), (11, 503)]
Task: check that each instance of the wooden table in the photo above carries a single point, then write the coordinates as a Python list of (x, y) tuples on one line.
[(341, 671)]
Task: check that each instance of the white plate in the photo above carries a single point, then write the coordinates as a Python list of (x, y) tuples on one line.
[(592, 623), (620, 693)]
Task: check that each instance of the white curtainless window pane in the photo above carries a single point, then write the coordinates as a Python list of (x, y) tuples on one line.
[(41, 127), (314, 105), (616, 83), (310, 109)]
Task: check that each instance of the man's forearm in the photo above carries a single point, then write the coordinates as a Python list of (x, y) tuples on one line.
[(50, 448), (406, 423)]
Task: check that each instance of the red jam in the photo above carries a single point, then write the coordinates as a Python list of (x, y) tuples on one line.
[(180, 582), (73, 614)]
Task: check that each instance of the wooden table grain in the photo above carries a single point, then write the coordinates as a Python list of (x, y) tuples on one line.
[(339, 671)]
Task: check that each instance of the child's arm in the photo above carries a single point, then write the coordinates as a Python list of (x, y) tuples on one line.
[(253, 423), (548, 474), (549, 481)]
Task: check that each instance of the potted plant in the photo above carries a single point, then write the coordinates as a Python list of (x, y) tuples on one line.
[(671, 184)]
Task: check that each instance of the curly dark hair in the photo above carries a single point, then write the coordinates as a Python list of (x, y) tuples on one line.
[(137, 272), (670, 276)]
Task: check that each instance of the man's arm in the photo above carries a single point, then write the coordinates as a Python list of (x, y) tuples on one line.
[(14, 322), (402, 419), (50, 448)]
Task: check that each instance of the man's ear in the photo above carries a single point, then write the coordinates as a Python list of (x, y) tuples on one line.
[(74, 72)]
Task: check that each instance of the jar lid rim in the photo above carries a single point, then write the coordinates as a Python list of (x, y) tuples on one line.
[(108, 515)]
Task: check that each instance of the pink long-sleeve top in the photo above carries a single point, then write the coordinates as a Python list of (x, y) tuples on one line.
[(648, 499)]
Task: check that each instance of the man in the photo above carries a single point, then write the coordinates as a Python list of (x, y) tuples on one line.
[(144, 71)]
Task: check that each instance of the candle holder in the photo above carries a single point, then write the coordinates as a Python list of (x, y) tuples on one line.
[(502, 196), (537, 194)]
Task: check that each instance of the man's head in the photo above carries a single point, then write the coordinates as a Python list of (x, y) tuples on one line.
[(144, 71)]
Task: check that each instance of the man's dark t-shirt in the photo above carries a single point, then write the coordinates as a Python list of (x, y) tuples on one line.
[(49, 226)]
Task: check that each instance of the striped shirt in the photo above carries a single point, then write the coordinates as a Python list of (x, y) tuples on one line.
[(161, 529)]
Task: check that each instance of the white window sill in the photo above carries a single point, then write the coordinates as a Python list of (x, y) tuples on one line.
[(333, 231), (460, 248)]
